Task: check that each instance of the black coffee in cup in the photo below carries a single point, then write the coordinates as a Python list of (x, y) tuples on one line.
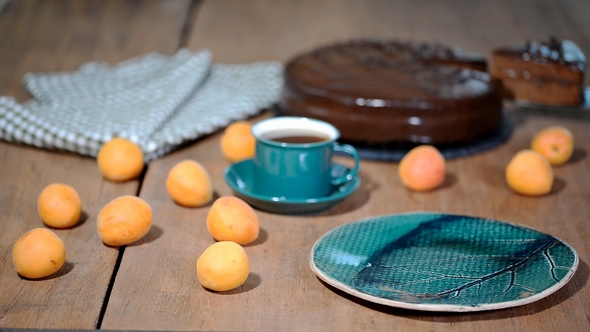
[(293, 158), (295, 137)]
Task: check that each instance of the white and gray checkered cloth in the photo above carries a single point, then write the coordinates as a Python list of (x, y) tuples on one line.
[(159, 102)]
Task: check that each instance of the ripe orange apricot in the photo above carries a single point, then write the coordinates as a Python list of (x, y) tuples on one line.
[(59, 206), (120, 160), (237, 142), (529, 173), (124, 220), (223, 266), (232, 219), (423, 168), (38, 253), (189, 184), (556, 143)]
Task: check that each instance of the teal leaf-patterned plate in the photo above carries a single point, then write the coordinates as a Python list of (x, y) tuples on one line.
[(442, 262)]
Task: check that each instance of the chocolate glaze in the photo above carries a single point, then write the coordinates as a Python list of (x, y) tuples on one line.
[(391, 92)]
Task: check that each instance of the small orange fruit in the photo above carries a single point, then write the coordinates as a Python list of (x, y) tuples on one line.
[(422, 168), (38, 253), (556, 143), (232, 219), (59, 206), (120, 160), (223, 266), (124, 220), (237, 142), (189, 184), (529, 173)]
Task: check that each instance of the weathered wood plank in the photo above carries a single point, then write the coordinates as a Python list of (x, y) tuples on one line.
[(60, 36)]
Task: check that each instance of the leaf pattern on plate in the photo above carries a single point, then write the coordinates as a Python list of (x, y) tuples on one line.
[(464, 261)]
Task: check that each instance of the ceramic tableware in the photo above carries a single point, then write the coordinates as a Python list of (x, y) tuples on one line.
[(443, 262), (239, 177), (293, 158)]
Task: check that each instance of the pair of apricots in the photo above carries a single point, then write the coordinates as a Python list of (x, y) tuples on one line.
[(530, 172), (40, 252)]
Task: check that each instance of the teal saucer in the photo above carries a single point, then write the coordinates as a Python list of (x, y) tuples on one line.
[(442, 262), (239, 177)]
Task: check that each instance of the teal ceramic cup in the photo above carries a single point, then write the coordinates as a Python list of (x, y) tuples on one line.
[(293, 158)]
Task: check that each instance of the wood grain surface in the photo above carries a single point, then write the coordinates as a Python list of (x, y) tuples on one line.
[(155, 286), (60, 36)]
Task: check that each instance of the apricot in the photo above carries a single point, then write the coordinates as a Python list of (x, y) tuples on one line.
[(38, 253), (422, 168), (223, 266), (237, 142), (59, 206), (529, 173), (124, 220), (556, 143), (232, 219), (120, 160), (189, 184)]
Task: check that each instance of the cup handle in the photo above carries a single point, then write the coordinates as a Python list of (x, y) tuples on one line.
[(348, 149)]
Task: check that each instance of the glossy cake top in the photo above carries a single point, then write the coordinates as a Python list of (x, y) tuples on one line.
[(555, 51), (388, 72)]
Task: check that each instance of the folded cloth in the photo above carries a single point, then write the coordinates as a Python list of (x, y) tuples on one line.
[(159, 102)]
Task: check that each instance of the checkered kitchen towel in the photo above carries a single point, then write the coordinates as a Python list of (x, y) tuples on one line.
[(159, 102)]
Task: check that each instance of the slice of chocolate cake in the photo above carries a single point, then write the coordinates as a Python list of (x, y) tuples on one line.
[(541, 73)]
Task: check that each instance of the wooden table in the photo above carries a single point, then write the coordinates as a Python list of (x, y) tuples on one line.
[(152, 285)]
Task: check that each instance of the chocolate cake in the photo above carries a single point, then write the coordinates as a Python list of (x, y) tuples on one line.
[(541, 73), (390, 92)]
